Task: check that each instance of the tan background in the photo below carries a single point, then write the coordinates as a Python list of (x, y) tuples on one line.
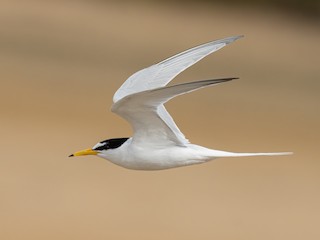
[(61, 62)]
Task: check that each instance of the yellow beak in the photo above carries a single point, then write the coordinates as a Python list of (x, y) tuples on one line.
[(84, 152)]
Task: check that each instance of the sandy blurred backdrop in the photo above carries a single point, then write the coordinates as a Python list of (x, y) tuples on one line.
[(61, 62)]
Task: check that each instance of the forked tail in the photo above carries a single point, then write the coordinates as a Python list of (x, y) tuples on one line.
[(208, 153), (216, 153), (259, 154)]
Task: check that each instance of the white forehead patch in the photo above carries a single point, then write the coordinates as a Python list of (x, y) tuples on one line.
[(99, 145)]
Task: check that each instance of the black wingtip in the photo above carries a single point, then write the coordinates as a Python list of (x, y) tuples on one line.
[(231, 78), (71, 155), (227, 79)]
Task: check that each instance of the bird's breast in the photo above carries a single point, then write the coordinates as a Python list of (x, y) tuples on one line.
[(144, 157)]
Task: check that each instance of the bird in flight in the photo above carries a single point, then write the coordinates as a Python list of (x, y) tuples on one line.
[(157, 143)]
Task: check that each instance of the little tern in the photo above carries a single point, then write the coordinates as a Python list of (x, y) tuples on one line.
[(157, 143)]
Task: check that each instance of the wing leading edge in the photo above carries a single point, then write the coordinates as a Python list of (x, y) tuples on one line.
[(160, 74)]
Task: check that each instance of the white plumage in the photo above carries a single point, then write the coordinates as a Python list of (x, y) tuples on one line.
[(157, 142)]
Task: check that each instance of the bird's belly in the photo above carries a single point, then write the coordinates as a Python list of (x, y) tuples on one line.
[(157, 159)]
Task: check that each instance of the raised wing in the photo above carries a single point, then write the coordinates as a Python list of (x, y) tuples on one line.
[(161, 74), (150, 120)]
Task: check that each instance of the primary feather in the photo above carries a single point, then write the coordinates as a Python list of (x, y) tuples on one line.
[(162, 73)]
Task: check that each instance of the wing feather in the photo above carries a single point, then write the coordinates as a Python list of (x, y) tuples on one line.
[(150, 120), (160, 74)]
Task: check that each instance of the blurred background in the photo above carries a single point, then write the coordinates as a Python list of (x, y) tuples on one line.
[(61, 62)]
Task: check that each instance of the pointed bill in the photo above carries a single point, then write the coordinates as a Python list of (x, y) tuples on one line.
[(85, 152)]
